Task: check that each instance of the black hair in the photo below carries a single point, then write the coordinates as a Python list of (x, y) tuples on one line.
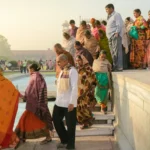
[(72, 22), (58, 45), (87, 32), (138, 11), (110, 6), (128, 18), (83, 22), (79, 57), (77, 43), (104, 22), (35, 67), (103, 52), (66, 34), (97, 22)]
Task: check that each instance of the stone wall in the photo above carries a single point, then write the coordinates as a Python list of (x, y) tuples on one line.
[(132, 109)]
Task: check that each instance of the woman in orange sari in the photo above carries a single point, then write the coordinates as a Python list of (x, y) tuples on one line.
[(9, 98), (36, 121), (138, 47)]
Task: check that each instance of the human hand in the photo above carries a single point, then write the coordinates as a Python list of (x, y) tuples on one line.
[(70, 107)]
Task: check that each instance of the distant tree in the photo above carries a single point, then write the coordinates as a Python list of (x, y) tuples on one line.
[(5, 50)]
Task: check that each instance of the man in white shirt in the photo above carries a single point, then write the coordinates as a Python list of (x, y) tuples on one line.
[(114, 35), (66, 103)]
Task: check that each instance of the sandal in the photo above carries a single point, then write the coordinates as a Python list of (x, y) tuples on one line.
[(45, 141)]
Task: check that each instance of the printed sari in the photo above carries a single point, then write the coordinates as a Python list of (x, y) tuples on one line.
[(147, 56), (9, 98), (138, 47), (87, 83), (36, 121)]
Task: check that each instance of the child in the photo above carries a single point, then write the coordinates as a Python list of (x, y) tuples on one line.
[(102, 69)]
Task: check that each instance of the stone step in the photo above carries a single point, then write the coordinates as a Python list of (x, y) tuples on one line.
[(95, 130), (103, 118)]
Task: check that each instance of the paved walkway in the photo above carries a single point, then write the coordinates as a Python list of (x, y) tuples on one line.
[(82, 143)]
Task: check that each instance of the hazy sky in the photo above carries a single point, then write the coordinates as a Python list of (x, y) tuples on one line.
[(37, 24)]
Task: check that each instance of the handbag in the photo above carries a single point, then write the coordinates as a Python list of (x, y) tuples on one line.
[(134, 32)]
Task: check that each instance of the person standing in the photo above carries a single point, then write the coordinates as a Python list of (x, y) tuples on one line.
[(102, 69), (91, 44), (73, 29), (138, 46), (25, 66), (80, 50), (81, 31), (86, 99), (41, 63), (8, 110), (68, 43), (60, 50), (66, 103), (36, 121), (114, 35)]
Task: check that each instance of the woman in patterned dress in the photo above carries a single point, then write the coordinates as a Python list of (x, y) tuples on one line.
[(86, 99), (138, 47)]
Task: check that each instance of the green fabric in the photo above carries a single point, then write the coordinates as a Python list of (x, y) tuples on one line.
[(101, 90), (103, 42)]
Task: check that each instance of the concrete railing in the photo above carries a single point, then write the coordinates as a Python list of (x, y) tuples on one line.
[(132, 110)]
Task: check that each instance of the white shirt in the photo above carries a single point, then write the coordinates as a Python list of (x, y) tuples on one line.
[(114, 25), (71, 95)]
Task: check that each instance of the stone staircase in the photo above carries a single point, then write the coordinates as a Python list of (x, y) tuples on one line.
[(103, 124)]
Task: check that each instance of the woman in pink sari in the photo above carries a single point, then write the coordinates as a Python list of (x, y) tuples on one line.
[(98, 26), (36, 121)]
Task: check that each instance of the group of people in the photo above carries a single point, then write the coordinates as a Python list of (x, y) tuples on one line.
[(85, 60), (116, 36), (23, 66)]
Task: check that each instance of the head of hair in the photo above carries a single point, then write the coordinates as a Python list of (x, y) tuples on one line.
[(97, 22), (137, 11), (92, 20), (103, 52), (72, 22), (110, 6), (128, 18), (104, 22), (66, 34), (87, 32), (149, 11), (35, 67), (63, 57), (58, 46), (77, 43), (83, 23)]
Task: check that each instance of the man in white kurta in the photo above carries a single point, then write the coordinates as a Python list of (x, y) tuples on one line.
[(66, 103)]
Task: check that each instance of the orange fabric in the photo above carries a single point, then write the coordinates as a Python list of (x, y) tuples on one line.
[(30, 127), (70, 59), (9, 98)]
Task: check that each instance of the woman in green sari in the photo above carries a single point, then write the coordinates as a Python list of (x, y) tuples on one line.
[(102, 69), (103, 42)]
